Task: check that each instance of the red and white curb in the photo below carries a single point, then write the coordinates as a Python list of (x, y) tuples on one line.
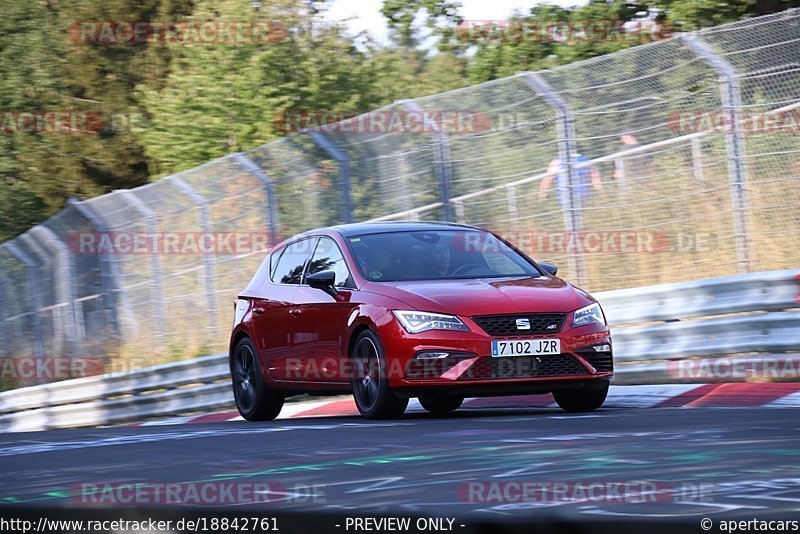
[(772, 395)]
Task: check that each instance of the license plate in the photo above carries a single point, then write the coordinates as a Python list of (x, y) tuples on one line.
[(529, 347)]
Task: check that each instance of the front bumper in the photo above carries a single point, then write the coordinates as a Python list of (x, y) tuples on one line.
[(469, 366)]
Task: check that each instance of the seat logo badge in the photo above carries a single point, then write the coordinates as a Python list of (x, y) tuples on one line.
[(523, 324)]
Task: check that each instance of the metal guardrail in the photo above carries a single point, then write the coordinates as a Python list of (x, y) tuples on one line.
[(762, 332), (764, 291), (730, 316), (107, 412), (138, 383)]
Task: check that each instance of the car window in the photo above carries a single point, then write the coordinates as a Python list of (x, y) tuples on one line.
[(437, 255), (289, 269), (328, 257)]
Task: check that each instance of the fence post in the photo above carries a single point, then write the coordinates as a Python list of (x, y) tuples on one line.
[(697, 159), (620, 172), (732, 104), (45, 243), (443, 167), (567, 149), (458, 209), (109, 278), (34, 282), (208, 263), (249, 166), (511, 200), (4, 306), (158, 302), (58, 316), (345, 174)]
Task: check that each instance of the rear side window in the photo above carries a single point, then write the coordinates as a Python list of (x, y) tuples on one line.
[(289, 269)]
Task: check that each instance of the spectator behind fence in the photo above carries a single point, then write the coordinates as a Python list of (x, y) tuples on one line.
[(588, 176), (636, 166)]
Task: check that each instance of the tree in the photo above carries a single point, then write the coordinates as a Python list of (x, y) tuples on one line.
[(688, 15), (401, 16), (222, 98), (47, 71)]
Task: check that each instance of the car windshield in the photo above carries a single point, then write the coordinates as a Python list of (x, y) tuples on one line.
[(437, 255)]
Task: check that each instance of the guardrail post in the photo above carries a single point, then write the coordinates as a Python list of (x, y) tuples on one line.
[(567, 150), (34, 282), (249, 166), (46, 244), (443, 168), (109, 277), (732, 104), (208, 263), (345, 173), (158, 302)]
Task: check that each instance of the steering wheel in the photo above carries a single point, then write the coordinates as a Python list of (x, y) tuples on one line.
[(464, 269)]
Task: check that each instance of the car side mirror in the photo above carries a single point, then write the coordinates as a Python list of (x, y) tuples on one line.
[(323, 280), (552, 269)]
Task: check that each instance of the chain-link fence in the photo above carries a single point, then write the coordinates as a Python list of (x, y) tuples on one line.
[(665, 162)]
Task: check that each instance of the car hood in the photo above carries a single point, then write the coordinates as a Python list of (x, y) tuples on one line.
[(487, 296)]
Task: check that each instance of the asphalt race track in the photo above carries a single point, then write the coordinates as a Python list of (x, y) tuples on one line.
[(694, 463)]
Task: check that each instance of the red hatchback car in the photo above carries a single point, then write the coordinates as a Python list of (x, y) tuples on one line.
[(390, 311)]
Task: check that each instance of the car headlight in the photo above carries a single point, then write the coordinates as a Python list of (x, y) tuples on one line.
[(415, 322), (588, 315)]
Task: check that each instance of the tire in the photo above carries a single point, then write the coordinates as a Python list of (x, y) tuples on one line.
[(440, 404), (580, 400), (253, 400), (374, 399)]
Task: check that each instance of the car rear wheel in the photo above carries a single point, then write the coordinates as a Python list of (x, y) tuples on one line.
[(440, 404), (374, 399), (253, 400), (581, 400)]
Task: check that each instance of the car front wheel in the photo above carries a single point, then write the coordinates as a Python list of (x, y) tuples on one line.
[(440, 404), (374, 399), (253, 400), (581, 400)]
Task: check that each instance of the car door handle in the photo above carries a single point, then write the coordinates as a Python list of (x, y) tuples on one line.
[(295, 311), (259, 311)]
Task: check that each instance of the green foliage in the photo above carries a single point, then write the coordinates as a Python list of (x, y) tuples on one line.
[(45, 70), (223, 98), (688, 15), (401, 15)]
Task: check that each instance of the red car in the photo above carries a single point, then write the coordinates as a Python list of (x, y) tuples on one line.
[(390, 311)]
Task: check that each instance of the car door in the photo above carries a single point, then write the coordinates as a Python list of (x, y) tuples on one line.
[(320, 320), (272, 319)]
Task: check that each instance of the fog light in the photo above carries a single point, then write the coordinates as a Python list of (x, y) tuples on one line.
[(431, 355), (602, 348)]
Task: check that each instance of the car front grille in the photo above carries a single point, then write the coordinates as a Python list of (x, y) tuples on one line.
[(489, 368), (602, 361), (506, 325)]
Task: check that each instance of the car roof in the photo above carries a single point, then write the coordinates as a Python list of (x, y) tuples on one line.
[(356, 229)]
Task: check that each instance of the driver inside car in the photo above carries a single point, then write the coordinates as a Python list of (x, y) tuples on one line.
[(436, 263)]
